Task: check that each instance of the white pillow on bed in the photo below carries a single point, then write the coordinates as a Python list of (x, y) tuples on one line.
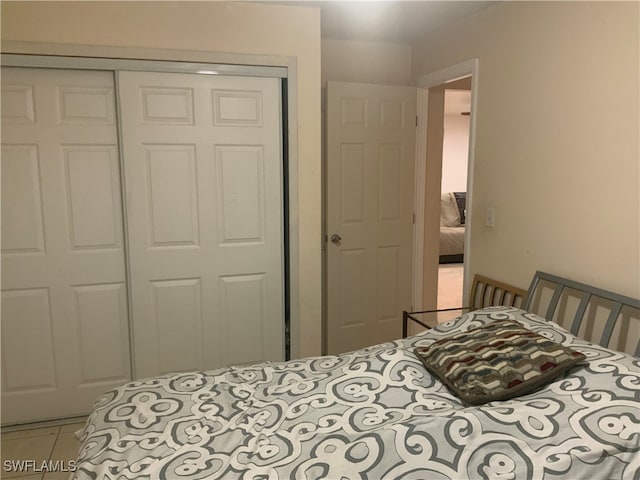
[(449, 212)]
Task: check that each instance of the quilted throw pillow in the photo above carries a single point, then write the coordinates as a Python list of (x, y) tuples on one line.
[(497, 361)]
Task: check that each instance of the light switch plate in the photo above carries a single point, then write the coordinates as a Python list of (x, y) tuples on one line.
[(490, 220)]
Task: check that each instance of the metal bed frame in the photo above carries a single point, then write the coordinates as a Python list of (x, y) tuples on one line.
[(485, 292), (488, 292), (590, 297)]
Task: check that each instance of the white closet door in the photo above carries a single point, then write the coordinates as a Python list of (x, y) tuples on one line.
[(64, 307), (203, 174)]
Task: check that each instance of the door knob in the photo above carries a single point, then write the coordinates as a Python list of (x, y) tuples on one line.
[(336, 239)]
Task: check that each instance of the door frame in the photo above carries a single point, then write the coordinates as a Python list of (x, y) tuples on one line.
[(66, 56), (438, 77)]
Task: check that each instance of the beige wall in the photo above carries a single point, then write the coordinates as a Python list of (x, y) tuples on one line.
[(211, 27), (455, 152), (557, 139), (366, 62)]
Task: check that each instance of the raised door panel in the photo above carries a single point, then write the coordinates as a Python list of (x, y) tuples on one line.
[(353, 288), (28, 360), (240, 189), (79, 104), (389, 182), (353, 112), (352, 167), (167, 105), (392, 113), (22, 221), (93, 186), (17, 104), (101, 325), (237, 108), (177, 315), (173, 195), (243, 313), (388, 284)]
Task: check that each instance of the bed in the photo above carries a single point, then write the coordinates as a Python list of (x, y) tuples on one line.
[(452, 226), (374, 413)]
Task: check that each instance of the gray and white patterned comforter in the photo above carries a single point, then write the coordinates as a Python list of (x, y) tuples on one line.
[(370, 414)]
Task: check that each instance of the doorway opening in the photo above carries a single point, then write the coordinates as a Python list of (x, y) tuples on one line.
[(434, 178), (453, 192)]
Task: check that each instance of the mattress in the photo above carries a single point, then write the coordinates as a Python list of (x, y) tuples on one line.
[(372, 413), (451, 240)]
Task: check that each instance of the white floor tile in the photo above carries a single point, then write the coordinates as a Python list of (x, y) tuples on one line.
[(66, 450), (37, 449), (72, 427), (66, 447), (450, 277)]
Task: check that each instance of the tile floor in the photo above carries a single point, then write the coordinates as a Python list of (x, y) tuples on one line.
[(38, 445), (450, 278)]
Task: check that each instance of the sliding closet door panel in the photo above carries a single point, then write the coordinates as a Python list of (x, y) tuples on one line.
[(64, 319), (203, 174)]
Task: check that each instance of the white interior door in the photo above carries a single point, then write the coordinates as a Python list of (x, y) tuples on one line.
[(64, 307), (203, 174), (369, 201)]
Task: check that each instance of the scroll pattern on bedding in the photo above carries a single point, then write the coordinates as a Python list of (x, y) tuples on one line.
[(374, 413)]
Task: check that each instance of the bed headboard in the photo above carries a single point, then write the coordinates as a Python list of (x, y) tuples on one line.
[(597, 315)]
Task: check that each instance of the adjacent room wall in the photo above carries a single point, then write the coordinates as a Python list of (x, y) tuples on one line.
[(366, 62), (455, 152), (557, 140), (222, 27)]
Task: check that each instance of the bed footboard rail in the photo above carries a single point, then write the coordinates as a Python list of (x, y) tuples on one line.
[(485, 292), (488, 292)]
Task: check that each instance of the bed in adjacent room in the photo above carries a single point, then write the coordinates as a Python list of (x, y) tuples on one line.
[(452, 226), (386, 411)]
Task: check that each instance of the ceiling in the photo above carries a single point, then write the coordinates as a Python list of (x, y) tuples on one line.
[(389, 20)]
